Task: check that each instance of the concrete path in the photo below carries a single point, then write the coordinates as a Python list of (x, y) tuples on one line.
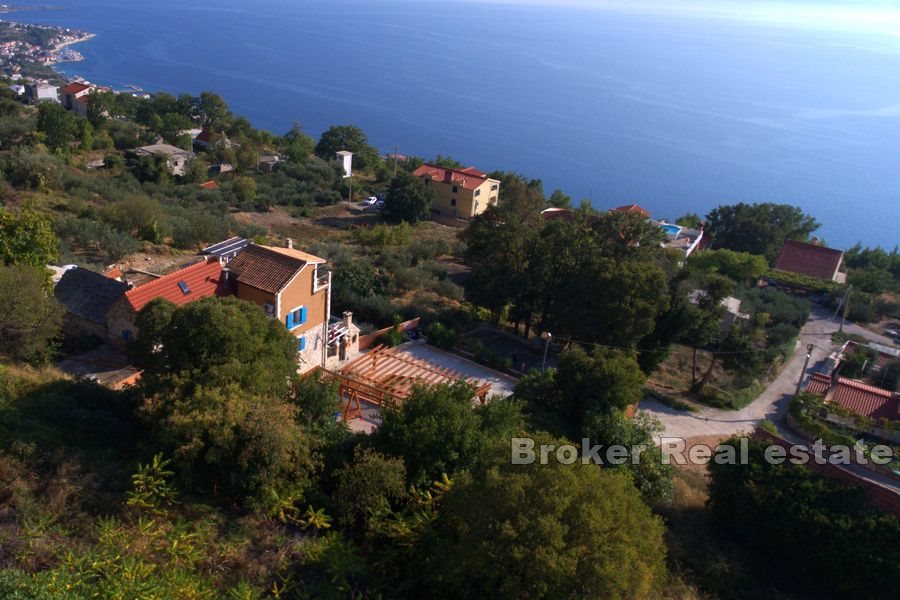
[(772, 404)]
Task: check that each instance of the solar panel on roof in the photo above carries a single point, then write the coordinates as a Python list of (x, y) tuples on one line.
[(184, 287)]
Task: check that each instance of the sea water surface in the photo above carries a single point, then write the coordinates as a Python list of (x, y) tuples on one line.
[(677, 111)]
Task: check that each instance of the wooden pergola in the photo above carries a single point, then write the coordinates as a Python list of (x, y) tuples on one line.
[(385, 377)]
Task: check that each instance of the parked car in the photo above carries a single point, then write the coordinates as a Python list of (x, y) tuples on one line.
[(370, 200)]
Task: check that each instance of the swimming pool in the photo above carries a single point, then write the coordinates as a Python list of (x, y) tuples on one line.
[(671, 229)]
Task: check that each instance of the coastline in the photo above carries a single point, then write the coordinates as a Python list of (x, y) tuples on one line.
[(61, 46)]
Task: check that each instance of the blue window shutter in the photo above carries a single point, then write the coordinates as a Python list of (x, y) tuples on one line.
[(303, 315), (302, 345), (289, 321)]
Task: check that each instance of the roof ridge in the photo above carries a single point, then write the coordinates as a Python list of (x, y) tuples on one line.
[(168, 275), (859, 385)]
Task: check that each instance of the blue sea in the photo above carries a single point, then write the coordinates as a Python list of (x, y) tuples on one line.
[(675, 109)]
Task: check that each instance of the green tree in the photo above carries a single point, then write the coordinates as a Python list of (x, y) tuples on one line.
[(212, 111), (814, 519), (27, 238), (758, 228), (57, 125), (408, 199), (245, 189), (153, 168), (216, 384), (436, 430), (598, 382), (350, 138), (545, 531), (560, 200), (741, 267), (29, 319), (691, 220), (650, 474), (369, 487), (298, 146)]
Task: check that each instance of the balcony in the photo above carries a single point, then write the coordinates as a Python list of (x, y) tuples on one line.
[(321, 280)]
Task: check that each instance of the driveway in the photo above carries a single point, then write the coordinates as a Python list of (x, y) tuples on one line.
[(772, 404)]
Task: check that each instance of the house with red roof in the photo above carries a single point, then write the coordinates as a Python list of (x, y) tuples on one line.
[(199, 280), (847, 395), (811, 260), (69, 94), (459, 193), (632, 208)]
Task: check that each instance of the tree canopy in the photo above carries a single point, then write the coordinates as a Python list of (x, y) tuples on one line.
[(758, 228), (27, 238), (408, 199), (437, 430), (30, 319), (546, 531)]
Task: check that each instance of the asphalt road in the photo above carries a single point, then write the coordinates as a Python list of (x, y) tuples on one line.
[(772, 404)]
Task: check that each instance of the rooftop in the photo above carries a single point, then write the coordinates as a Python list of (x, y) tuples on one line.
[(226, 248), (87, 294), (265, 268), (809, 259), (856, 396), (76, 88), (468, 178), (200, 280), (166, 149), (632, 208)]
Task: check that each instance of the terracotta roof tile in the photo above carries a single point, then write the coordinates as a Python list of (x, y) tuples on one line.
[(264, 268), (203, 279), (809, 259), (209, 185), (632, 208), (468, 178), (76, 88), (818, 384), (865, 399)]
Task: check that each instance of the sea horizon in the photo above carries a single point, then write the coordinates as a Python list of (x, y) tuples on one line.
[(717, 110)]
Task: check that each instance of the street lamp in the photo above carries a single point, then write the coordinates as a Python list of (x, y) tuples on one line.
[(809, 349), (546, 336)]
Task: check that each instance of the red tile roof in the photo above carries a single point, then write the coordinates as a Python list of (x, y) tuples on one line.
[(818, 384), (809, 259), (203, 279), (210, 185), (264, 269), (632, 208), (76, 88), (865, 399), (468, 178)]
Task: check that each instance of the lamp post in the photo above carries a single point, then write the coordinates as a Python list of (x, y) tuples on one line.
[(546, 336), (809, 349)]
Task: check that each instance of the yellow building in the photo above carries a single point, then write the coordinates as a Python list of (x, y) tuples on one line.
[(462, 193)]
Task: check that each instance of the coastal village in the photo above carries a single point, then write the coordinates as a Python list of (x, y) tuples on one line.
[(189, 254)]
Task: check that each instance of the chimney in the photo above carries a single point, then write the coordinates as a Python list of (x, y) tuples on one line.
[(226, 274), (290, 243), (348, 319)]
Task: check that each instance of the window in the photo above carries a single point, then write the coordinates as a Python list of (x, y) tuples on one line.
[(126, 334), (455, 189), (477, 192), (452, 201), (184, 287), (295, 318), (301, 344), (269, 309), (494, 187)]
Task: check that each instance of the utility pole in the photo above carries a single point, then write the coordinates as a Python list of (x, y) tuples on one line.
[(846, 307), (546, 336), (809, 349)]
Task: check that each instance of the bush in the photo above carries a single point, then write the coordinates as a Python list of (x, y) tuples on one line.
[(441, 336), (394, 337)]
